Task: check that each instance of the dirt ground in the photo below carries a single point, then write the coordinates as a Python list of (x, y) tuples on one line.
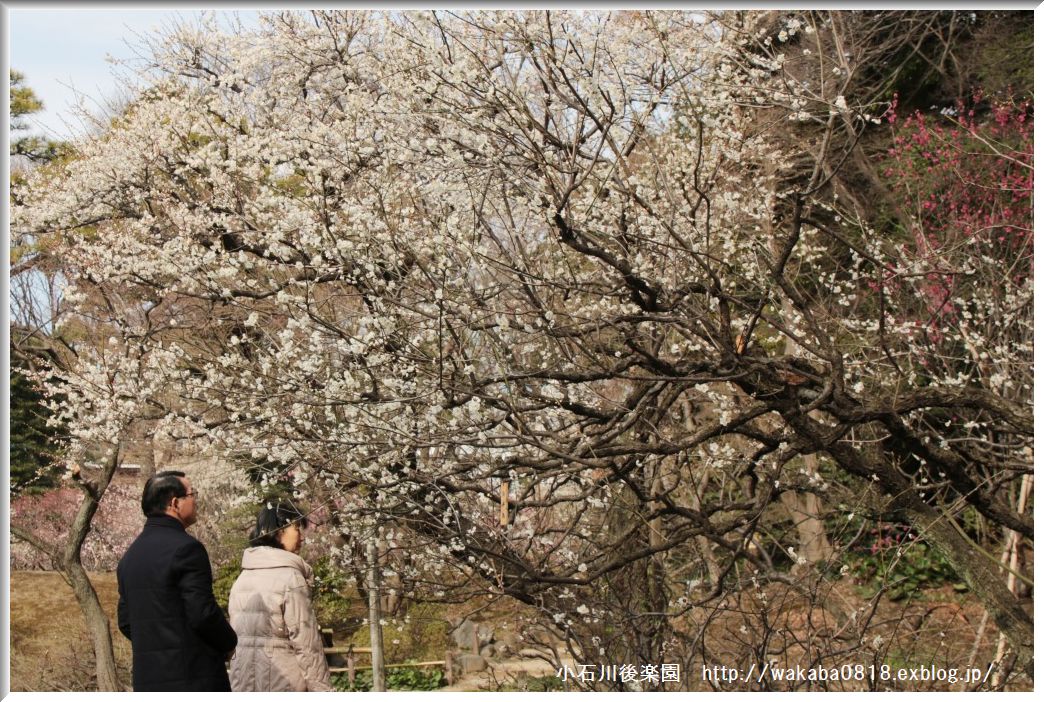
[(50, 650)]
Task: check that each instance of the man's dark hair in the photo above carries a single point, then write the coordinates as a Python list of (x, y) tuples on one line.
[(273, 517), (159, 489)]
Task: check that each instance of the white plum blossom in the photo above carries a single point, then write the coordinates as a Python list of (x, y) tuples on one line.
[(544, 293)]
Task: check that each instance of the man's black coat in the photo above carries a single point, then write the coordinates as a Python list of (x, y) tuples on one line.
[(167, 609)]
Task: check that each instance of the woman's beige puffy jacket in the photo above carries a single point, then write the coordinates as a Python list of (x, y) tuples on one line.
[(280, 649)]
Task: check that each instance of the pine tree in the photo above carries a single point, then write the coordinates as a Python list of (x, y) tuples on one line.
[(24, 102), (33, 443)]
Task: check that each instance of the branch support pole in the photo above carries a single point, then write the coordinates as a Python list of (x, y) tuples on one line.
[(376, 635)]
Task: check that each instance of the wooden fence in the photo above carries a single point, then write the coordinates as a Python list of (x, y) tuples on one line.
[(342, 659)]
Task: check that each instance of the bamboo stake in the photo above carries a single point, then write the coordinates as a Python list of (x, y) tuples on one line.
[(1011, 560)]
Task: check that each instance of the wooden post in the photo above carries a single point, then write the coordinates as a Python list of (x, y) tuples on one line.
[(449, 667), (351, 667), (505, 486), (376, 635)]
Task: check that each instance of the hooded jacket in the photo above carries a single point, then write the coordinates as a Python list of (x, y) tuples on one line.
[(270, 606)]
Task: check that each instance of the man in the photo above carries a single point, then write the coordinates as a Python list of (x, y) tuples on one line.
[(167, 609)]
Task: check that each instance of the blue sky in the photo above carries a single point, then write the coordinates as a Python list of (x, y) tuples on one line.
[(63, 52)]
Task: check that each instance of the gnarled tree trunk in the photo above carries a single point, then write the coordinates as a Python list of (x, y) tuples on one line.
[(975, 568), (67, 560)]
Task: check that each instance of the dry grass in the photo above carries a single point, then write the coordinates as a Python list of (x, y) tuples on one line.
[(50, 650)]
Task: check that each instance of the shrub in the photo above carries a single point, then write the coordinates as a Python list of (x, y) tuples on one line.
[(394, 679), (330, 594), (892, 557)]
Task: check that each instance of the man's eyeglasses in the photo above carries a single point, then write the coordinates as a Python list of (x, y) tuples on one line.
[(190, 493)]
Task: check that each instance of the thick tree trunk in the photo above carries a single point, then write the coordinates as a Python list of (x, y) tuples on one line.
[(97, 627), (805, 509), (656, 573), (980, 572), (71, 565)]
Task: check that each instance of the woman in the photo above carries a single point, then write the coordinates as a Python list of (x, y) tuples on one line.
[(279, 649)]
